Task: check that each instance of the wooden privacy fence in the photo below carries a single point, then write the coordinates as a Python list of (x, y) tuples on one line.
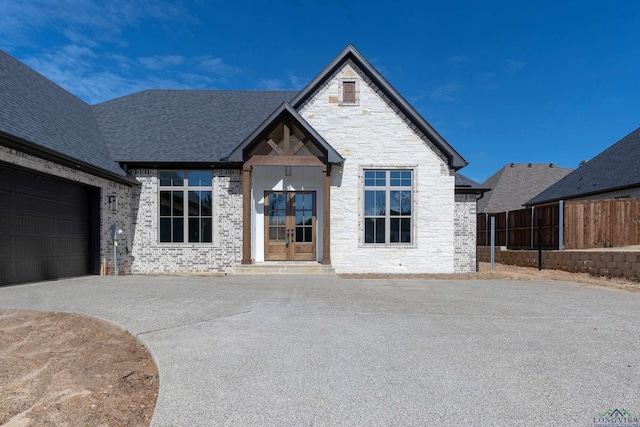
[(602, 223), (587, 224), (519, 229)]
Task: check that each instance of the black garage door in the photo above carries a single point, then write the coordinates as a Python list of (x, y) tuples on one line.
[(46, 227)]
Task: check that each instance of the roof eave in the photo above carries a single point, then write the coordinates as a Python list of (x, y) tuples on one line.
[(44, 153), (534, 202)]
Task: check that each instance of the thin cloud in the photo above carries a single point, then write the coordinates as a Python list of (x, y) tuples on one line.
[(447, 92), (512, 65), (271, 84), (458, 59), (160, 62), (218, 67), (20, 20)]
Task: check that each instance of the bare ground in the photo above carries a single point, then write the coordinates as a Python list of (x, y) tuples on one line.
[(70, 370), (60, 369), (512, 272)]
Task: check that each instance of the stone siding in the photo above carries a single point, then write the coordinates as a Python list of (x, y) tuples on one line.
[(464, 236), (221, 256), (373, 133), (122, 218)]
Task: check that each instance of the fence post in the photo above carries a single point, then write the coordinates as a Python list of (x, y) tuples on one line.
[(561, 226), (539, 243), (486, 229), (506, 229), (532, 223), (493, 240)]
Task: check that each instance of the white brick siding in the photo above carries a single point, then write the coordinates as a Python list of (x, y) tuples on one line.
[(373, 133), (221, 256), (465, 233)]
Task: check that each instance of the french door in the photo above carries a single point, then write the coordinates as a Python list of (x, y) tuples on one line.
[(290, 226)]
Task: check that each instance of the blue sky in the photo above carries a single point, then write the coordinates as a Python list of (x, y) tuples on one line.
[(501, 81)]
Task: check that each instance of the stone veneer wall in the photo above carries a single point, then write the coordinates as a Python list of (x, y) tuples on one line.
[(605, 263), (464, 237), (374, 133), (122, 217), (221, 256)]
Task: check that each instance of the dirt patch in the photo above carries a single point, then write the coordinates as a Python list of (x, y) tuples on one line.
[(512, 272), (72, 370)]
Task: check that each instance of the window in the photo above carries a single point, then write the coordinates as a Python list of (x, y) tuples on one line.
[(348, 92), (185, 206), (387, 206)]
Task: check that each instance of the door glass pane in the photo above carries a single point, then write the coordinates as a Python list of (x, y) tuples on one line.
[(281, 234), (299, 217), (308, 201), (308, 234), (273, 233), (299, 234)]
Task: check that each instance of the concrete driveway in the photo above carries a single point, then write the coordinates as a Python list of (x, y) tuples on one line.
[(320, 350)]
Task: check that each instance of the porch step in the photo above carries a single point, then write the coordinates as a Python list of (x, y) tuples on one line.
[(285, 268)]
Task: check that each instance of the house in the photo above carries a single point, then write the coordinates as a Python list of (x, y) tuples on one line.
[(343, 173), (612, 174), (515, 183)]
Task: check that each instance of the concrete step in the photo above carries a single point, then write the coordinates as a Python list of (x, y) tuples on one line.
[(291, 267)]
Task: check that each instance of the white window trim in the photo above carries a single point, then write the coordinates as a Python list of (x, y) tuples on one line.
[(185, 188), (414, 204)]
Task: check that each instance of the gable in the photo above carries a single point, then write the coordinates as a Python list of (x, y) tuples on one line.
[(285, 133), (361, 68)]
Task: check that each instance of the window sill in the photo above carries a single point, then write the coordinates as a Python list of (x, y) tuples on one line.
[(389, 245)]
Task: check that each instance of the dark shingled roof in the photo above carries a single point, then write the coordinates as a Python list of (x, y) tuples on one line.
[(38, 111), (616, 167), (183, 125), (516, 183), (467, 185)]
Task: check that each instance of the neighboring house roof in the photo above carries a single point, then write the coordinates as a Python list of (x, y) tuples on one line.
[(350, 53), (38, 115), (615, 168), (284, 110), (467, 185), (158, 126), (514, 184)]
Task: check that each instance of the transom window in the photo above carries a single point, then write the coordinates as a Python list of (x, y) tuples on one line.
[(388, 206), (186, 214)]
